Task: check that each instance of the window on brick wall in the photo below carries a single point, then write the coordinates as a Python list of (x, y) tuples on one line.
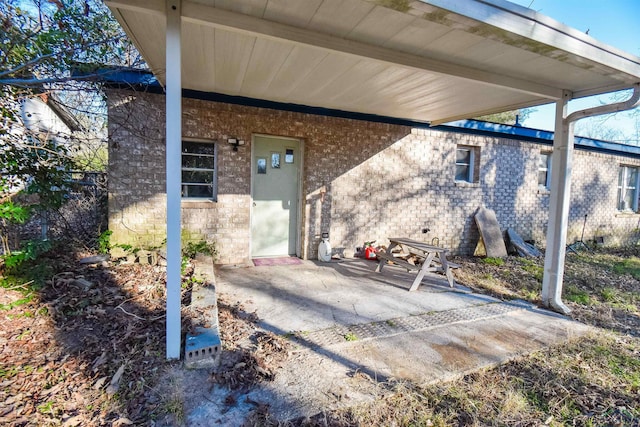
[(544, 171), (199, 179), (628, 188), (467, 161)]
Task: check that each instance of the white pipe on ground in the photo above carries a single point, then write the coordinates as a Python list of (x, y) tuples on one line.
[(560, 192)]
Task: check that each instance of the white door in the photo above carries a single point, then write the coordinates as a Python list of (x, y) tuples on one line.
[(274, 183)]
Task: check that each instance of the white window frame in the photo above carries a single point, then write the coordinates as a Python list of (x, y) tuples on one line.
[(623, 188), (213, 170), (470, 166), (546, 169)]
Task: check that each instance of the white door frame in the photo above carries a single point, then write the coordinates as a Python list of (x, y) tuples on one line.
[(300, 203)]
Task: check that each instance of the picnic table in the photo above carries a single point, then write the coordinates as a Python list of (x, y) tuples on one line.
[(431, 258)]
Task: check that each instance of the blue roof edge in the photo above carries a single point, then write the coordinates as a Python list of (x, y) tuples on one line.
[(136, 79), (539, 136)]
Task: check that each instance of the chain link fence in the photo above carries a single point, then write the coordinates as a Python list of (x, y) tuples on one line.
[(81, 219)]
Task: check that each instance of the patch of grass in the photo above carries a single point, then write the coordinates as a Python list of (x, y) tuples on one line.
[(23, 334), (579, 296), (391, 323), (629, 266), (47, 408), (531, 267), (609, 294), (28, 277), (172, 395), (188, 282), (9, 372), (531, 294), (626, 368), (536, 400), (104, 241), (350, 336), (627, 301), (568, 384), (175, 406), (17, 303), (629, 307), (493, 261), (494, 285), (191, 248)]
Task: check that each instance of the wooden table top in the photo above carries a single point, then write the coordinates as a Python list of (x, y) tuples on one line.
[(416, 244)]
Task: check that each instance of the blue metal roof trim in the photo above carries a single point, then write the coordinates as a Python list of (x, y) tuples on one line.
[(500, 129), (129, 78), (134, 78), (538, 136)]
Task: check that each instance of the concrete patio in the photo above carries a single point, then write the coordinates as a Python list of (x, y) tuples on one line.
[(356, 330)]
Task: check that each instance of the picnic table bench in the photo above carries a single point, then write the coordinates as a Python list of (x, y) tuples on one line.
[(432, 259)]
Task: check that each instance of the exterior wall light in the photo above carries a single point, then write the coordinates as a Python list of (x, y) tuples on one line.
[(235, 142)]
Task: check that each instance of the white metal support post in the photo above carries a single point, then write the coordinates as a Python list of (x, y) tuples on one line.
[(561, 162), (173, 87), (560, 191)]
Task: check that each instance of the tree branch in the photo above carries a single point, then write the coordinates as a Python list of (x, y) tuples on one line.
[(35, 82), (46, 150), (27, 64)]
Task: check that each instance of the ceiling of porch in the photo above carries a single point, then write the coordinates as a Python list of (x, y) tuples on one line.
[(430, 61)]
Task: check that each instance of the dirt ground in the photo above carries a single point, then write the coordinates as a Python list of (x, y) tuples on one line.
[(82, 345)]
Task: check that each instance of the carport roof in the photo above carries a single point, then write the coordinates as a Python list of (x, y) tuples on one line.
[(424, 60)]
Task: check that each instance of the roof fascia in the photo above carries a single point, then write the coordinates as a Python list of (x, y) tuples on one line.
[(527, 23)]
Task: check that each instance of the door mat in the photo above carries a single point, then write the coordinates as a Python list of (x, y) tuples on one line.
[(285, 260)]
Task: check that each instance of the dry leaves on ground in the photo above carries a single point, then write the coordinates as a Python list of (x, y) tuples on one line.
[(250, 355), (85, 348)]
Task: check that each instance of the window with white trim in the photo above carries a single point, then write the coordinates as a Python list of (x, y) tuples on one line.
[(467, 159), (199, 180), (628, 188), (544, 171)]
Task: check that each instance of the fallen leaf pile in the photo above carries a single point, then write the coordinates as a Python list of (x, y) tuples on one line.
[(249, 355), (86, 347)]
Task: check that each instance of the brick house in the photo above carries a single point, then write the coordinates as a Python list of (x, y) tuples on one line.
[(426, 61), (357, 179)]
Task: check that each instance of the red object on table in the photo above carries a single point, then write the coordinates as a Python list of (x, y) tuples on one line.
[(370, 253)]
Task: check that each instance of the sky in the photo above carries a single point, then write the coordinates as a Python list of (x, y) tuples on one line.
[(614, 22)]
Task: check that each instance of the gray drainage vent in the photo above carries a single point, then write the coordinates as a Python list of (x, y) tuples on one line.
[(202, 349), (338, 334)]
